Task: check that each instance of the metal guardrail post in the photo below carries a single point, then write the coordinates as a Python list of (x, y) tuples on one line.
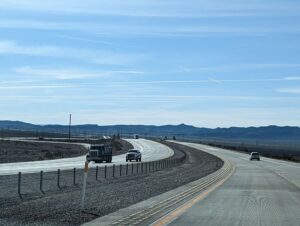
[(120, 170), (126, 169), (142, 168), (105, 171), (19, 184), (131, 169), (74, 176), (114, 170), (58, 178), (137, 168), (97, 168), (41, 182)]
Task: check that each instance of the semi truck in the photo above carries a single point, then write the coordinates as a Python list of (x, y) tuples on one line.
[(99, 153)]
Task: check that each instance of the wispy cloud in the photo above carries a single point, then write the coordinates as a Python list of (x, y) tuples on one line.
[(289, 90), (96, 57), (238, 67), (292, 78), (30, 87), (68, 74), (213, 80), (172, 29), (152, 8)]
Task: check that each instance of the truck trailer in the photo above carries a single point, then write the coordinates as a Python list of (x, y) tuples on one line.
[(99, 153)]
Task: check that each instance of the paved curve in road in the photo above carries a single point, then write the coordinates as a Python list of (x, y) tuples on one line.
[(151, 151), (265, 192)]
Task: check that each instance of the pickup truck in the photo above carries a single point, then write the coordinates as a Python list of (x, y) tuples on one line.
[(99, 153), (133, 155)]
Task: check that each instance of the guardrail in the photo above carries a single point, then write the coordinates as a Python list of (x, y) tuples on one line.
[(60, 180)]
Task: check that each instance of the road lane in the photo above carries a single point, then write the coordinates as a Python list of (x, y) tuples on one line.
[(265, 192), (151, 151)]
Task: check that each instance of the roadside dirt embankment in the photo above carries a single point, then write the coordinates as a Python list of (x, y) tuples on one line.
[(24, 151)]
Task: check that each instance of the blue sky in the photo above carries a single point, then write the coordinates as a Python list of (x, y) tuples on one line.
[(205, 63)]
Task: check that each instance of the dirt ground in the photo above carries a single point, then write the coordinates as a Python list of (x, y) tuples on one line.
[(21, 151)]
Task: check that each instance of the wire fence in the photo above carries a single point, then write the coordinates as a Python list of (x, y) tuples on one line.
[(28, 185)]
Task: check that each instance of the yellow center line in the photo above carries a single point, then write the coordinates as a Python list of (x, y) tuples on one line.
[(183, 208)]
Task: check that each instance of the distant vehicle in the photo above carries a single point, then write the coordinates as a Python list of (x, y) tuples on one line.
[(99, 153), (135, 136), (134, 155), (254, 155)]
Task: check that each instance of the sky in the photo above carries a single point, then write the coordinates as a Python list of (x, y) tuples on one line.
[(205, 63)]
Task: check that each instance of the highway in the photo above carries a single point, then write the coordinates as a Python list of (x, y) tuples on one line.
[(265, 192), (150, 150)]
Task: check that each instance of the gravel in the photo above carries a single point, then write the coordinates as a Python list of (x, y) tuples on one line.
[(61, 206)]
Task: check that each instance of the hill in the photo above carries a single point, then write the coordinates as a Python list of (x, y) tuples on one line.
[(286, 133)]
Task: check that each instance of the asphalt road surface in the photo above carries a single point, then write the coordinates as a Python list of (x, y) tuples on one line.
[(150, 150), (265, 192)]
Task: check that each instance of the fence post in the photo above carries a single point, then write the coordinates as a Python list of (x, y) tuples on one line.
[(96, 172), (126, 169), (58, 178), (105, 171), (74, 176), (137, 168), (131, 169), (19, 184), (114, 170), (41, 182), (142, 168), (120, 170)]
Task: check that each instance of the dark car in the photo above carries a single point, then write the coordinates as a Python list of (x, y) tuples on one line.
[(254, 155), (134, 155)]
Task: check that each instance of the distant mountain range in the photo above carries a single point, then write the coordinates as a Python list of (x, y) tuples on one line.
[(286, 133)]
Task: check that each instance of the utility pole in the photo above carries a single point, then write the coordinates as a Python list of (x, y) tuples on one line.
[(70, 123)]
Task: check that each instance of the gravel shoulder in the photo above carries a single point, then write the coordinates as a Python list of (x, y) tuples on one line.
[(104, 196)]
